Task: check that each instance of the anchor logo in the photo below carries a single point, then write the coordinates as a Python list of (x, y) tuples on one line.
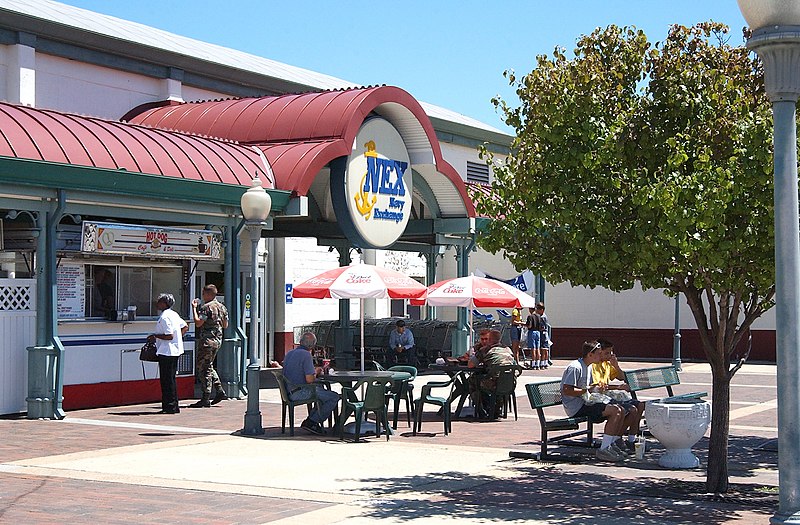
[(364, 204)]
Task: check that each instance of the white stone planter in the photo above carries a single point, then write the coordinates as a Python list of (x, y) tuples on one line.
[(678, 426)]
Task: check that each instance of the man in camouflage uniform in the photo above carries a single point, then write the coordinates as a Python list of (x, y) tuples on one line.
[(489, 355), (210, 319)]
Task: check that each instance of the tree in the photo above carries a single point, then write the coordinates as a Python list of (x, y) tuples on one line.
[(649, 164)]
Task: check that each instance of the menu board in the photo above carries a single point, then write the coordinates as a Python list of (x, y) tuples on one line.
[(70, 280), (126, 239)]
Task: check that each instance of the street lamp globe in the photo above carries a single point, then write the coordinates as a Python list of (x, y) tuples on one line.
[(763, 13), (256, 202)]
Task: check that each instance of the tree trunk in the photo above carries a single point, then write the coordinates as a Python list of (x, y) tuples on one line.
[(717, 473)]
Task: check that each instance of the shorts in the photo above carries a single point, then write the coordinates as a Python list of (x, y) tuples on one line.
[(592, 412), (516, 334), (533, 339), (626, 405), (545, 339)]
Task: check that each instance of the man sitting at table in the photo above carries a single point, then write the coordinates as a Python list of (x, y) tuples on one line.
[(298, 368), (492, 353), (401, 343)]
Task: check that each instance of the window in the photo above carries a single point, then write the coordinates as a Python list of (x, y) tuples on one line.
[(477, 172), (111, 288)]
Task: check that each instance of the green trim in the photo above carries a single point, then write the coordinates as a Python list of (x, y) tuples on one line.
[(120, 182)]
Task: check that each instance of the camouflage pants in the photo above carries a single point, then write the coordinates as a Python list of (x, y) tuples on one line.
[(206, 353)]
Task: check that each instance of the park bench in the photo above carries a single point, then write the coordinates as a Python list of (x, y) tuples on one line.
[(548, 394), (664, 376)]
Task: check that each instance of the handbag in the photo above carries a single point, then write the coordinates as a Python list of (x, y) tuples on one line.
[(148, 352)]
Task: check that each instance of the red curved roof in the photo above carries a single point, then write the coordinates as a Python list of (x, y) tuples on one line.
[(53, 136), (300, 133)]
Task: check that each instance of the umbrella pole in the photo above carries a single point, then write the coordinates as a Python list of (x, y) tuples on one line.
[(471, 317), (361, 314)]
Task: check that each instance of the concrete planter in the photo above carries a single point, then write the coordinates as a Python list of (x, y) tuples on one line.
[(678, 426)]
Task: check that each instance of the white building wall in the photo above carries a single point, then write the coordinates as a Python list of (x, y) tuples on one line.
[(68, 85), (458, 156), (193, 94), (4, 72)]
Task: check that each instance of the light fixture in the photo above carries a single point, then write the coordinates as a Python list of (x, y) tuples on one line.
[(775, 37), (256, 202), (764, 13)]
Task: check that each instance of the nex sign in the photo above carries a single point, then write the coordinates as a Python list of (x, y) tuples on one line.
[(385, 176)]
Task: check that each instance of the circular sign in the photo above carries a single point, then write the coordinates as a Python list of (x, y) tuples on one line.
[(378, 185)]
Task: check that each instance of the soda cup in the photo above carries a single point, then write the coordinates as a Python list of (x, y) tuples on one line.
[(640, 449)]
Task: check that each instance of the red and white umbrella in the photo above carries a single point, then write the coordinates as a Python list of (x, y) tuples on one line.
[(360, 281), (477, 292)]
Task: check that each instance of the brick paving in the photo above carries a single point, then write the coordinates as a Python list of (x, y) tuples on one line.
[(540, 491)]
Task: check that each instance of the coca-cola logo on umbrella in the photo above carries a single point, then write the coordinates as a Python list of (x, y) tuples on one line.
[(490, 291), (359, 279), (454, 288)]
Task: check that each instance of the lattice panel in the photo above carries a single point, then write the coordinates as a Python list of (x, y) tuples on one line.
[(16, 297)]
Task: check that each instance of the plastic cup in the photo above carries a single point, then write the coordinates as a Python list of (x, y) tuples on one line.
[(639, 450)]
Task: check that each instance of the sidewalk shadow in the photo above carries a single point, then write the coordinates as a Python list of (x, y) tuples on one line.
[(545, 493)]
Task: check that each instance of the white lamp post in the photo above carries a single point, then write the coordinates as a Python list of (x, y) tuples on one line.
[(256, 204), (776, 39)]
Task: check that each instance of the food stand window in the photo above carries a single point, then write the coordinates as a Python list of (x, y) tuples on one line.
[(161, 256), (112, 288)]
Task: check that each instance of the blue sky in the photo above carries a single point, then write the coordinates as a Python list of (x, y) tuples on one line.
[(451, 53)]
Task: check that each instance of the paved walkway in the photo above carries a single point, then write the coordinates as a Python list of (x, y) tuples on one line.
[(131, 465)]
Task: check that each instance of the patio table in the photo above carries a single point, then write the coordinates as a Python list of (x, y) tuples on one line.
[(349, 377), (461, 384)]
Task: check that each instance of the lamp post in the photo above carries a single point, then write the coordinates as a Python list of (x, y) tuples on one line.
[(256, 204), (776, 39)]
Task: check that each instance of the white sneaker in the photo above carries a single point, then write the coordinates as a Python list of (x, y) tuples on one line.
[(608, 454)]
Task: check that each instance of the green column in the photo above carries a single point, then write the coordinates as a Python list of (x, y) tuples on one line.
[(230, 357), (46, 359), (343, 335), (461, 335)]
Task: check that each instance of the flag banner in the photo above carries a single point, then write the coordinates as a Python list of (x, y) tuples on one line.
[(522, 282)]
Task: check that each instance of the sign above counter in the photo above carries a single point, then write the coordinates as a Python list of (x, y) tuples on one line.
[(103, 238)]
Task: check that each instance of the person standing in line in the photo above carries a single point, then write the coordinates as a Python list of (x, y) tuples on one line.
[(210, 319), (533, 323), (545, 341), (169, 332), (516, 332)]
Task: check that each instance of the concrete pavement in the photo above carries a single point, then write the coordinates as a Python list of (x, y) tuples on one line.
[(130, 465)]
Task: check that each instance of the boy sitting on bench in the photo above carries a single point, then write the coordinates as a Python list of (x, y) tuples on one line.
[(577, 381), (608, 370)]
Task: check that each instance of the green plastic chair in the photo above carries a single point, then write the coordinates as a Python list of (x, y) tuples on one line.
[(505, 387), (402, 389), (374, 401), (286, 387), (427, 397)]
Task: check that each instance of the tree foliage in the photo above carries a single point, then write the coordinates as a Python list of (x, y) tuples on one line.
[(646, 163)]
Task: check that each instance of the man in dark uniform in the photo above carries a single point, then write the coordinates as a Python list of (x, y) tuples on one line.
[(210, 319)]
